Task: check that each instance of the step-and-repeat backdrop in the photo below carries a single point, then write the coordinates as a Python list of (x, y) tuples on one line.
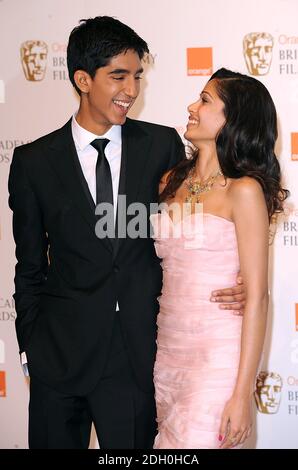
[(188, 41)]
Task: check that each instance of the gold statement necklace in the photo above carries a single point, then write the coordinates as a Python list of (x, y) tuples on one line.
[(196, 188)]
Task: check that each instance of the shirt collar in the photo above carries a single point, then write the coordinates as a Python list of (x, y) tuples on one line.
[(83, 138)]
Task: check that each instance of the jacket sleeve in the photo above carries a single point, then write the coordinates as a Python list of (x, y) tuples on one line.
[(31, 249), (177, 152)]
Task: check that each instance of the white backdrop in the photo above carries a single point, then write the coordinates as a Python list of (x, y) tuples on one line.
[(29, 109)]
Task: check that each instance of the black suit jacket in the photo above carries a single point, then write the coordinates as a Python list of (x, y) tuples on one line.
[(67, 280)]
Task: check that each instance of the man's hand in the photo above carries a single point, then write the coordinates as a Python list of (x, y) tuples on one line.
[(232, 298)]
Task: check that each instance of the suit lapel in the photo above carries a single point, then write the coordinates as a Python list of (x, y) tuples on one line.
[(64, 160), (136, 144)]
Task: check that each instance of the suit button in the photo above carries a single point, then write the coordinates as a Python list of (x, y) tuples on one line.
[(116, 269)]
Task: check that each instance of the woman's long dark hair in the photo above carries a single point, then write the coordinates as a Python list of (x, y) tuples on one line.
[(245, 144)]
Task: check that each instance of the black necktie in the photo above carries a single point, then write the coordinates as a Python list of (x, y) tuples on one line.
[(104, 187)]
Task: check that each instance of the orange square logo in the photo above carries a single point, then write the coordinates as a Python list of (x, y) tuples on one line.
[(296, 317), (199, 61), (2, 384), (294, 145)]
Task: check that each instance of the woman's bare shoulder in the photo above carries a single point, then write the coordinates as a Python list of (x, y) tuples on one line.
[(246, 186)]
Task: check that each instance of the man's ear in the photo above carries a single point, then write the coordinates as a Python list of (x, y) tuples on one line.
[(82, 80)]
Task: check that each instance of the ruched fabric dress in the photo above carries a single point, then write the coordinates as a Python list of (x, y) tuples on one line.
[(198, 344)]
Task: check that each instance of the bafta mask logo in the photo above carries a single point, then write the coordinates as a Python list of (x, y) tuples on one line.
[(34, 59), (268, 392), (257, 50)]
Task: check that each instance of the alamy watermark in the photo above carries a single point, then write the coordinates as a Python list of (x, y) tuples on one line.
[(132, 221)]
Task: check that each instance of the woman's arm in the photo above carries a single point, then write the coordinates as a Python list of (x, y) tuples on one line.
[(250, 216)]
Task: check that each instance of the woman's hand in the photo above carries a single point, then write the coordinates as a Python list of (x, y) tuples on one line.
[(232, 298), (236, 422)]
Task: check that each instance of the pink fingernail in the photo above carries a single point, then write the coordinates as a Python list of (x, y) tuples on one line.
[(220, 438)]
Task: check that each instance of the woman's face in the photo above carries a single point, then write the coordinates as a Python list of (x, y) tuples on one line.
[(206, 117)]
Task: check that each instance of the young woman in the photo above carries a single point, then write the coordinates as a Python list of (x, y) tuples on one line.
[(206, 362)]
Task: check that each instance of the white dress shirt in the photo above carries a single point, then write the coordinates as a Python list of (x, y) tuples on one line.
[(88, 158)]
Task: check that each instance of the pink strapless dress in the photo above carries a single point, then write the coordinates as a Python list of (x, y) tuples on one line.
[(198, 344)]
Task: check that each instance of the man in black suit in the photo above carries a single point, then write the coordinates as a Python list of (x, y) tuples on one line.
[(86, 306)]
